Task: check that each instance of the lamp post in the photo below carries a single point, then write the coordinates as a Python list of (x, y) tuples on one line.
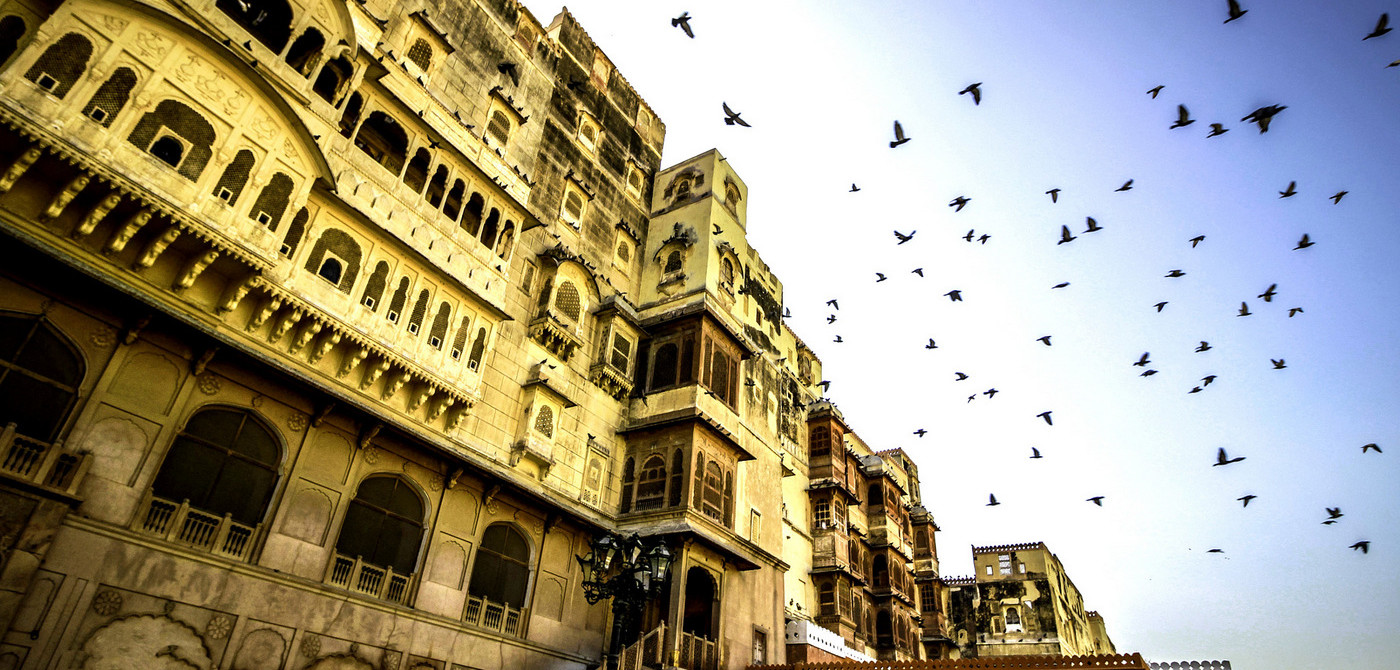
[(629, 570)]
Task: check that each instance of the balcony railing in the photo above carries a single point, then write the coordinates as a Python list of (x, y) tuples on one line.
[(42, 463), (646, 653), (372, 580), (935, 626), (178, 522), (698, 653), (495, 616)]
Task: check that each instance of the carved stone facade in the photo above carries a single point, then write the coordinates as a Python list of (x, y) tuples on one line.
[(331, 332)]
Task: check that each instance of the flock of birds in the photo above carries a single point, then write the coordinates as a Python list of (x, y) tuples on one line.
[(1261, 117)]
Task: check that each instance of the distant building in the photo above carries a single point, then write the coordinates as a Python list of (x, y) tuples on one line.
[(1022, 602)]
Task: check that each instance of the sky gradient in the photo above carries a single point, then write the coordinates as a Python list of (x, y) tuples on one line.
[(1064, 106)]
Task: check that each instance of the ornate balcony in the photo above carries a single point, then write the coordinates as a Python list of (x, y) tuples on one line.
[(491, 615), (698, 653), (178, 522), (555, 335), (46, 465), (613, 381), (372, 580)]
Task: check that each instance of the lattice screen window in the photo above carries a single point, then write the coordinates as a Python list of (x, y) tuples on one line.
[(398, 301), (460, 342), (234, 178), (624, 253), (420, 309), (588, 133), (174, 121), (421, 54), (673, 262), (374, 288), (499, 127), (438, 332), (61, 64), (651, 484), (572, 208), (544, 421), (111, 97), (566, 299), (621, 352), (272, 201)]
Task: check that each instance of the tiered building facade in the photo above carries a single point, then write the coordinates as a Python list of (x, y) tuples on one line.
[(332, 332)]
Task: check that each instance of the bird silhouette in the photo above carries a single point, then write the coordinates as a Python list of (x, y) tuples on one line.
[(1194, 389), (1244, 309), (854, 188), (959, 202), (899, 137), (831, 318), (975, 90), (1155, 90), (992, 500), (881, 276), (983, 239), (1183, 118), (1044, 339), (1263, 116), (1054, 194), (1221, 458), (1097, 500), (1268, 294), (1289, 192), (954, 295), (920, 432), (684, 22), (1127, 186), (904, 238), (1371, 447), (1035, 453), (1065, 236), (832, 304), (1246, 498), (1143, 361), (931, 344), (1204, 347), (1235, 11), (917, 271), (1215, 551), (1197, 240), (991, 392), (1206, 380), (1364, 545), (1294, 310), (1334, 513), (1217, 130), (1094, 226), (731, 117), (825, 384), (1061, 285), (972, 397), (961, 376), (718, 230), (1160, 305), (1148, 373), (838, 339), (1382, 27), (1046, 415), (1304, 243), (1337, 197), (969, 235), (1176, 273)]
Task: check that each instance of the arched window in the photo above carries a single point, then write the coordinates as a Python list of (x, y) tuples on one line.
[(677, 478), (272, 201), (478, 349), (452, 206), (651, 484), (330, 270), (332, 78), (1013, 620), (295, 232), (384, 140), (488, 231), (223, 463), (459, 343), (682, 189), (713, 502), (337, 245), (269, 21), (398, 301), (503, 247), (437, 186), (420, 309), (501, 569), (59, 67), (629, 476), (417, 173), (701, 603), (438, 332), (350, 117), (566, 299), (109, 99), (235, 176), (544, 421), (471, 220), (12, 28), (40, 372), (498, 127), (421, 54), (305, 51), (673, 262), (726, 274), (374, 288), (383, 526), (664, 366), (158, 128)]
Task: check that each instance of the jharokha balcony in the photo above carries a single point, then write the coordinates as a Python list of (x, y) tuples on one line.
[(41, 463), (178, 522), (350, 572)]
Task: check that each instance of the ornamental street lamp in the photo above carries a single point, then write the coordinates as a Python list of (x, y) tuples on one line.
[(631, 571)]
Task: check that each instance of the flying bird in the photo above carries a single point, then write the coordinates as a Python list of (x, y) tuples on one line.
[(1246, 498), (1183, 118), (838, 339), (991, 392), (1235, 11), (1097, 500), (960, 375), (969, 235), (1206, 380), (1294, 310), (1160, 305), (832, 304), (1337, 197), (954, 295), (1263, 116), (1289, 192), (1382, 27), (983, 239), (1194, 389), (1065, 236), (1035, 453), (1045, 339), (1268, 294), (1304, 243), (1371, 447), (904, 238), (1046, 415), (1364, 545), (1244, 309), (975, 90), (992, 500), (1155, 90), (931, 344), (1143, 361), (1094, 226), (854, 188), (917, 271), (899, 137), (1204, 347), (1176, 273), (831, 318), (881, 276), (1127, 186), (1222, 459), (1334, 513), (1197, 240), (1217, 130), (1215, 551), (972, 397), (959, 202), (1054, 194), (731, 117), (1148, 373), (921, 432), (718, 230), (1060, 285), (684, 22)]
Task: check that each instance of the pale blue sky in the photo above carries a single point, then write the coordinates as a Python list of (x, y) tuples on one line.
[(1064, 106)]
